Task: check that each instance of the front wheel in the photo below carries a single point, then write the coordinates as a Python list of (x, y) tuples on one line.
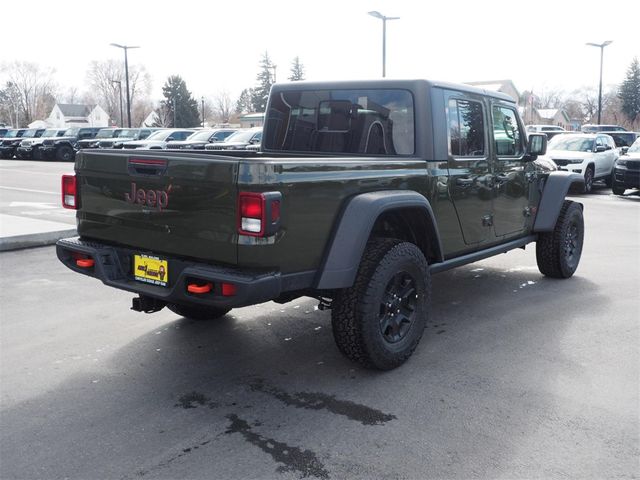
[(198, 312), (617, 189), (588, 180), (64, 153), (558, 252), (379, 321)]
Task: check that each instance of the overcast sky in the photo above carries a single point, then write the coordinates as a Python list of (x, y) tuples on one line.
[(217, 45)]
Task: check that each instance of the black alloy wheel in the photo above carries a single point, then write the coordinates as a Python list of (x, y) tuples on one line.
[(398, 307)]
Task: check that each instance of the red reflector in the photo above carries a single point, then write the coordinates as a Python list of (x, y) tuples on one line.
[(85, 262), (69, 192), (251, 205), (228, 289), (275, 211), (198, 289)]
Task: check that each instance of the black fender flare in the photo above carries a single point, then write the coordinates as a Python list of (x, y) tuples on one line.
[(342, 258), (555, 190)]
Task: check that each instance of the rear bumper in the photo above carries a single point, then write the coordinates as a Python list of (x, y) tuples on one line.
[(114, 267)]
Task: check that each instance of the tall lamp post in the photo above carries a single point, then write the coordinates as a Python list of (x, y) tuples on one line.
[(120, 95), (202, 111), (601, 47), (126, 74), (384, 38)]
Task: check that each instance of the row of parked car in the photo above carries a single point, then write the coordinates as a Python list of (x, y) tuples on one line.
[(602, 152), (61, 144)]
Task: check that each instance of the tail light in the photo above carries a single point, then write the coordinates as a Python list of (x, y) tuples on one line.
[(69, 192), (259, 213)]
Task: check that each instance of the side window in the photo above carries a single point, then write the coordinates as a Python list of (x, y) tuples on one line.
[(506, 132), (599, 142), (466, 128)]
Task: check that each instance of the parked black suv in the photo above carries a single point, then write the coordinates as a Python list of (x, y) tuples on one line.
[(29, 148), (13, 138), (63, 149)]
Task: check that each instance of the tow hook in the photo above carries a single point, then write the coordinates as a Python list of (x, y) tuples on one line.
[(147, 304), (325, 303)]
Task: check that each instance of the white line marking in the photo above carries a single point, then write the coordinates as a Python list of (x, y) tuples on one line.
[(28, 190)]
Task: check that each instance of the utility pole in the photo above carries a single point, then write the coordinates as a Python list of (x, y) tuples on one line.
[(120, 95), (202, 112)]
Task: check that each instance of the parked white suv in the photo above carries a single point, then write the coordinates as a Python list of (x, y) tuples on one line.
[(591, 155)]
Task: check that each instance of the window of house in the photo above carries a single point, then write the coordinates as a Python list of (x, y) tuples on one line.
[(506, 132), (466, 128)]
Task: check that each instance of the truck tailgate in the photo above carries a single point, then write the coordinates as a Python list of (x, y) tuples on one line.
[(159, 202)]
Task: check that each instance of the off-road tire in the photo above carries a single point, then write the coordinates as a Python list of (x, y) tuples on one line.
[(588, 180), (558, 252), (617, 190), (198, 312), (358, 313), (64, 153)]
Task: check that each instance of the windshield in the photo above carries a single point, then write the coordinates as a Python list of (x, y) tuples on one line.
[(30, 133), (71, 132), (240, 136), (11, 134), (160, 135), (52, 132), (107, 133), (203, 136), (623, 139), (571, 144), (635, 147), (126, 133)]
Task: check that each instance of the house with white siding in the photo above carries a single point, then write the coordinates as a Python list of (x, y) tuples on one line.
[(77, 115)]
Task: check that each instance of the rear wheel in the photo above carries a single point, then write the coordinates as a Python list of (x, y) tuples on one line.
[(198, 312), (379, 321), (558, 252)]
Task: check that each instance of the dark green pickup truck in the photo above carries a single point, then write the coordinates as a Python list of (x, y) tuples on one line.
[(361, 191)]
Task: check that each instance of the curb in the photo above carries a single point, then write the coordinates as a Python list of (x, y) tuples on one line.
[(19, 242)]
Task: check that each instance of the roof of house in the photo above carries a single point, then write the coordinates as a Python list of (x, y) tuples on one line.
[(75, 110), (495, 85)]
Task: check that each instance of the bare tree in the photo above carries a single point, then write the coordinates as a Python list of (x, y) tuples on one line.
[(223, 106), (103, 78), (35, 89), (549, 99)]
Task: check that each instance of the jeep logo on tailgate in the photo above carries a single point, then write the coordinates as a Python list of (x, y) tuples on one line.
[(152, 198)]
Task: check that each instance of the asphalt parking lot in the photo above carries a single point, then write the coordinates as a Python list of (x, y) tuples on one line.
[(517, 376)]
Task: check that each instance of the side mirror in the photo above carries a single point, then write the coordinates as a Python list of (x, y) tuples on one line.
[(537, 145), (170, 139), (624, 150), (600, 148)]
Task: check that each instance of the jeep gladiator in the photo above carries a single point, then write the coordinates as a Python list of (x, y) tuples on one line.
[(362, 190)]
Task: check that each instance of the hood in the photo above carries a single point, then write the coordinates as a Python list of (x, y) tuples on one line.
[(566, 154)]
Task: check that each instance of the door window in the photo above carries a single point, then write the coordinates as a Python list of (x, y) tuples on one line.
[(466, 128), (506, 132)]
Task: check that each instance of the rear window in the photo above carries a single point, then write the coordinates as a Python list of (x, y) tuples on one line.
[(372, 122)]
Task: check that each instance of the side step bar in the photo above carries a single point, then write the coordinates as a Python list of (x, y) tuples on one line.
[(481, 254)]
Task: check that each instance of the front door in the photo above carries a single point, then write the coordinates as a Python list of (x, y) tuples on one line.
[(512, 174)]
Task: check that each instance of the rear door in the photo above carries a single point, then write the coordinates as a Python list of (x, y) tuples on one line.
[(469, 164)]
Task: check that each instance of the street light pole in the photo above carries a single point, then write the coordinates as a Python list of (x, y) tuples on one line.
[(601, 47), (202, 112), (126, 73), (120, 95), (384, 38)]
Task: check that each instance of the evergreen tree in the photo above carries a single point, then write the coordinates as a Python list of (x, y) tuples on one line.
[(630, 92), (260, 94), (244, 103), (297, 70), (182, 106)]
